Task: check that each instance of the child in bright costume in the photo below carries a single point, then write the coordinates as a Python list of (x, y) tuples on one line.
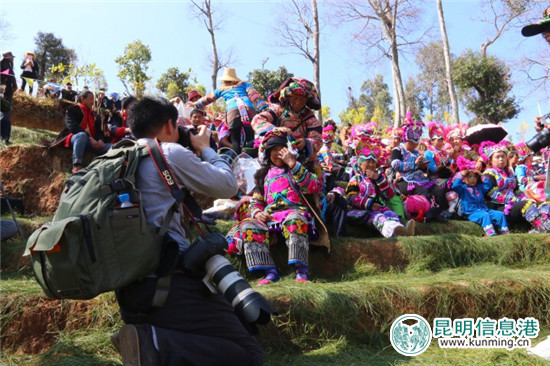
[(532, 185), (501, 186), (279, 202), (291, 110), (412, 167), (368, 192), (472, 200), (242, 102), (458, 147)]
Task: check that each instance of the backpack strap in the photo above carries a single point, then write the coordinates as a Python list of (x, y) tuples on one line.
[(182, 197)]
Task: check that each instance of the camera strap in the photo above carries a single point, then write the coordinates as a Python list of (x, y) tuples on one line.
[(180, 194), (183, 197)]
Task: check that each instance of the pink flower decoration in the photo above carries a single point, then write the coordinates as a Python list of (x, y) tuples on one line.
[(500, 199), (293, 197), (292, 228), (313, 186), (259, 238), (500, 184), (279, 185)]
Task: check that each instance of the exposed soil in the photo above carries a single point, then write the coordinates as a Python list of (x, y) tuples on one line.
[(36, 175), (31, 326), (46, 114)]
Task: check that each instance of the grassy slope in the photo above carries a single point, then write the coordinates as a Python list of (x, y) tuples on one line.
[(344, 315)]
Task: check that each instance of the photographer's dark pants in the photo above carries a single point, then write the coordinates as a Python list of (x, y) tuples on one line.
[(194, 327)]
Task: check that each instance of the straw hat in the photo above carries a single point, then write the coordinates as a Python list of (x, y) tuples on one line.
[(229, 74)]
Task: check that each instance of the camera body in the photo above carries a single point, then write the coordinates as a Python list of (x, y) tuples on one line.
[(184, 138)]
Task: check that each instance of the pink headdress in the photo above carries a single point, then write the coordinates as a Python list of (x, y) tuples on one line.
[(523, 150), (359, 132), (458, 130), (465, 164), (412, 130), (436, 130), (368, 148), (488, 148), (328, 133), (395, 132)]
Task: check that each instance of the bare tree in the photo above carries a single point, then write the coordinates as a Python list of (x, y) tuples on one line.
[(447, 56), (503, 15), (380, 21), (298, 29), (204, 11)]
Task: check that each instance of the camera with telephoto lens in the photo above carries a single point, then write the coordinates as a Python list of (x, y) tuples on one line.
[(205, 256), (184, 138), (539, 141)]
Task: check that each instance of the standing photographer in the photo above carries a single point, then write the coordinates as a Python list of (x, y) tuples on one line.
[(193, 327)]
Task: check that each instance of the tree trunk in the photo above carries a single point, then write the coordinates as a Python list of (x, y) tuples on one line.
[(447, 55), (216, 61), (399, 113), (316, 56)]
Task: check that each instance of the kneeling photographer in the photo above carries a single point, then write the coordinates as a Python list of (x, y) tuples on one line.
[(194, 326)]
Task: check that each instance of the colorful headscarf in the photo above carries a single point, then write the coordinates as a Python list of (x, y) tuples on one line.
[(367, 149), (488, 148), (465, 164), (328, 133), (523, 150), (395, 132), (297, 86), (362, 131), (272, 138), (436, 130), (458, 130), (412, 130)]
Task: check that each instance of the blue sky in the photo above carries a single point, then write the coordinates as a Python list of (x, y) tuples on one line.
[(99, 31)]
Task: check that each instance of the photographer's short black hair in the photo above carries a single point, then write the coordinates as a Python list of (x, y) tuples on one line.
[(147, 117)]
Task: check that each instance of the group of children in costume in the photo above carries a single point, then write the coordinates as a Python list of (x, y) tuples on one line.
[(299, 182)]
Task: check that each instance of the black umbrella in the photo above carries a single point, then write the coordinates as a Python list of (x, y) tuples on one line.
[(485, 132)]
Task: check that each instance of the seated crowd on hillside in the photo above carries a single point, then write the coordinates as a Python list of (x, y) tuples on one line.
[(311, 174)]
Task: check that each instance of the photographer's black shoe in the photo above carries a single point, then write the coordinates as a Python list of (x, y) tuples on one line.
[(136, 346)]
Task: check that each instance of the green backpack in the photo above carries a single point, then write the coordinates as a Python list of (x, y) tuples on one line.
[(93, 245)]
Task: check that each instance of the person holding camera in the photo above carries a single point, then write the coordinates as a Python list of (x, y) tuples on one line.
[(193, 327)]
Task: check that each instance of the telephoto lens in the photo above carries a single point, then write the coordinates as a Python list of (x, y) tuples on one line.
[(248, 304), (539, 141)]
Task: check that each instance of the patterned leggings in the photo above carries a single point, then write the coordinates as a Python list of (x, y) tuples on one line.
[(256, 242)]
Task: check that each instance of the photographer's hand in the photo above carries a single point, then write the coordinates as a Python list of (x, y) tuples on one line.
[(201, 140)]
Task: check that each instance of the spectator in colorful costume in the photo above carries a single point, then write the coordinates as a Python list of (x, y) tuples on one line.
[(502, 193), (242, 104)]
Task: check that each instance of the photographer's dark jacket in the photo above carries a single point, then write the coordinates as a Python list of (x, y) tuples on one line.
[(8, 80)]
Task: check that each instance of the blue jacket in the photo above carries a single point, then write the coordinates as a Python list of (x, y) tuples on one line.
[(471, 198)]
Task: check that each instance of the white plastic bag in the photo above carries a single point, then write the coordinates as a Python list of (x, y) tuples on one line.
[(244, 167)]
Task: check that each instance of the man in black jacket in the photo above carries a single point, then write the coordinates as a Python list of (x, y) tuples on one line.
[(10, 85), (85, 130)]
